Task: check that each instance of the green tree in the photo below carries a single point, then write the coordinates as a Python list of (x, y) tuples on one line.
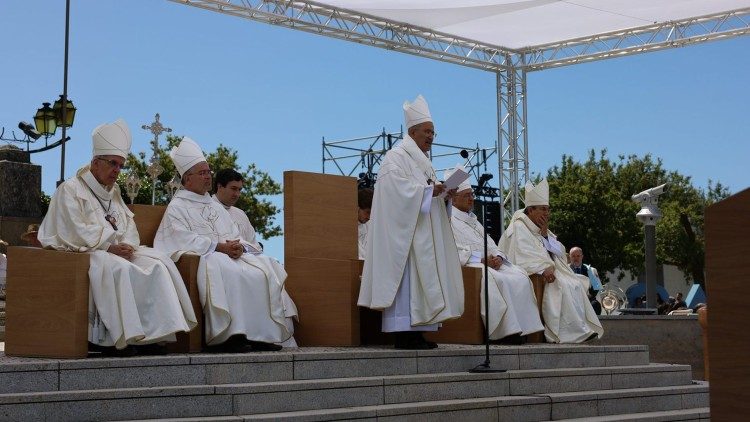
[(592, 208), (253, 199)]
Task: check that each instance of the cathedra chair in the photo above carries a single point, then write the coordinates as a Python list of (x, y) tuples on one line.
[(47, 296)]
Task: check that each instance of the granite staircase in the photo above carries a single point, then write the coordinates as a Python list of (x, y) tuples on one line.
[(543, 382)]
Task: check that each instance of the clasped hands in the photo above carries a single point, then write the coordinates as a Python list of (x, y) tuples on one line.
[(233, 248), (549, 274), (122, 250), (494, 262)]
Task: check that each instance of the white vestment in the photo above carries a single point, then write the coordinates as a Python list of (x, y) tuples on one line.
[(3, 269), (513, 307), (247, 232), (239, 296), (362, 238), (568, 315), (410, 246), (140, 301)]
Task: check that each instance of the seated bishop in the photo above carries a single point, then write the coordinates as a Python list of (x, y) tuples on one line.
[(137, 296), (228, 184), (529, 243), (240, 292), (513, 307)]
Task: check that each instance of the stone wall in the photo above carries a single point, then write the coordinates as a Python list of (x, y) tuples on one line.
[(670, 339), (20, 193)]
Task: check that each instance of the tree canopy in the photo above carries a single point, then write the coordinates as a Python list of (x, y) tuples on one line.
[(592, 208), (258, 184)]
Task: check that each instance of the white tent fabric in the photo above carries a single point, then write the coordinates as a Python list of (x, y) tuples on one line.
[(520, 24)]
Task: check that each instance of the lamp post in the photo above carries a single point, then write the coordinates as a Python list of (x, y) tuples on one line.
[(64, 97), (62, 114)]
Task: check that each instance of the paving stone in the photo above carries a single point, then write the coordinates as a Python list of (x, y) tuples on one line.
[(235, 373), (18, 382), (444, 387), (524, 409), (362, 367), (246, 404), (131, 377)]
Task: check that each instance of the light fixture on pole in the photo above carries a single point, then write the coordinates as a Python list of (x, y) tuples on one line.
[(45, 121)]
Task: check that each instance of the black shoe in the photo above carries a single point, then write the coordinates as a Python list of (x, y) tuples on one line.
[(413, 340), (151, 349), (593, 336), (260, 346), (511, 340), (234, 344), (112, 352)]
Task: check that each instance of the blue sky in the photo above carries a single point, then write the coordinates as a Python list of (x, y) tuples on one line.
[(273, 93)]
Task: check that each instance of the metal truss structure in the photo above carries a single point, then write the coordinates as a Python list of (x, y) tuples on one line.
[(510, 65), (361, 157)]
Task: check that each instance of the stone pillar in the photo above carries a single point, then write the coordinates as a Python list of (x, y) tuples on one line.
[(20, 193)]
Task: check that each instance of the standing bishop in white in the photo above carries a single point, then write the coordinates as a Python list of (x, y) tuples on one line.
[(228, 185), (513, 307), (240, 292), (528, 242), (411, 267), (136, 295)]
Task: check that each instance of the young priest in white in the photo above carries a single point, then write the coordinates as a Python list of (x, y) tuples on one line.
[(241, 295), (228, 185), (411, 267), (137, 296)]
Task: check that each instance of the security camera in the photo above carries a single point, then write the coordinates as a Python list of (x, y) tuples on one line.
[(649, 200), (29, 130)]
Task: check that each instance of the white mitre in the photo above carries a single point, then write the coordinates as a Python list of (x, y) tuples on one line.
[(466, 184), (537, 195), (112, 139), (186, 155), (416, 112)]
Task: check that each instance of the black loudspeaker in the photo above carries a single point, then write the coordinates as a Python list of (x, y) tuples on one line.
[(493, 222)]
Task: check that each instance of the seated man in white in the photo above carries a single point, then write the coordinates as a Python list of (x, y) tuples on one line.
[(240, 293), (528, 242), (364, 206), (513, 308), (137, 296), (228, 185)]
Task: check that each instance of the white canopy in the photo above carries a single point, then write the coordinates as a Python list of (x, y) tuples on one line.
[(520, 24)]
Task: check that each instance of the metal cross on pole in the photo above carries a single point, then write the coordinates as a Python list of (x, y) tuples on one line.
[(154, 168)]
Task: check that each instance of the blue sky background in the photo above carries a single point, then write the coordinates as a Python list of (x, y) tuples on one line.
[(272, 93)]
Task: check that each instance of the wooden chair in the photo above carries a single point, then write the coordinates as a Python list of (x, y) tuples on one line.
[(47, 296)]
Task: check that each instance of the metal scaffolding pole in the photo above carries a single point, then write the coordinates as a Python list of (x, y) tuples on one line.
[(512, 138)]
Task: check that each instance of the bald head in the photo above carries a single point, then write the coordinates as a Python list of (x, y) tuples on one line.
[(576, 256)]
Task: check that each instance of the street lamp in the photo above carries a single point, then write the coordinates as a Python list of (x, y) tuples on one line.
[(64, 119), (45, 121)]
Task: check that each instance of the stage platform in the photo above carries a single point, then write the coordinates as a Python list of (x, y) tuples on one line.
[(542, 382)]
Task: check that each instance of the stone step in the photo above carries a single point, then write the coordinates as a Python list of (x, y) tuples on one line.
[(308, 395), (697, 414), (514, 408), (19, 375)]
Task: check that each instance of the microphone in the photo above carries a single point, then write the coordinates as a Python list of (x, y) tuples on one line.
[(464, 154)]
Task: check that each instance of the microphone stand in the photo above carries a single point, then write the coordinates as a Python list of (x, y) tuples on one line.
[(485, 367)]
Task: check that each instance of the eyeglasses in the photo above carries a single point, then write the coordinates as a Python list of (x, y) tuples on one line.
[(202, 173), (112, 163)]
